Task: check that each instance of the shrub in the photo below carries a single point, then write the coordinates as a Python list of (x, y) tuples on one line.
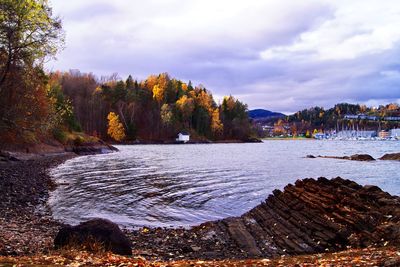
[(60, 135)]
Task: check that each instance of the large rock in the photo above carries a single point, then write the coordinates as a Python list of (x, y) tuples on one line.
[(100, 231), (315, 216), (392, 156)]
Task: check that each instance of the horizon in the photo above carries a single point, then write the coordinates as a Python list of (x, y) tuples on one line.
[(275, 55)]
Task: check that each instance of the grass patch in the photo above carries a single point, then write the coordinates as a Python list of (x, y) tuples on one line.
[(73, 138)]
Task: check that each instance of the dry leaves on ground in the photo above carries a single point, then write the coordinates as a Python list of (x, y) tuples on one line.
[(353, 257)]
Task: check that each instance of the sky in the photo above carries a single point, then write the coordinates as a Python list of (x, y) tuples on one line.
[(281, 55)]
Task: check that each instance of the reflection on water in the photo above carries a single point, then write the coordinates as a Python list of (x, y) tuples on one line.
[(182, 185)]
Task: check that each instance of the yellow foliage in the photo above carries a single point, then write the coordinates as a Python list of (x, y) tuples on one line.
[(163, 79), (158, 93), (150, 82), (216, 124), (205, 100), (115, 128), (185, 105), (98, 90), (184, 87)]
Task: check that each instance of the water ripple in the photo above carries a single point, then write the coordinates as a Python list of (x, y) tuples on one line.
[(186, 185)]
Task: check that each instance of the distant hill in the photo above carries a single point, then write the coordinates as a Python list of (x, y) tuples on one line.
[(258, 114)]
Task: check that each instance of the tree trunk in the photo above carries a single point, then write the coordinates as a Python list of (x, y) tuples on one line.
[(6, 69)]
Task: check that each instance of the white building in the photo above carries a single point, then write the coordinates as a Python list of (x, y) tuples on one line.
[(183, 137)]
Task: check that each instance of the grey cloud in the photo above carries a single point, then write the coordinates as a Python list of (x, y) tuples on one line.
[(229, 63)]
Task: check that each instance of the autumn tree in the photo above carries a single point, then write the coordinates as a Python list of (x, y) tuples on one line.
[(186, 107), (115, 128), (150, 82), (166, 115), (217, 127), (158, 93), (393, 107), (279, 128), (29, 34)]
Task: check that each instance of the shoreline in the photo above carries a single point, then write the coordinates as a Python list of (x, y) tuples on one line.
[(26, 223), (27, 230), (134, 143)]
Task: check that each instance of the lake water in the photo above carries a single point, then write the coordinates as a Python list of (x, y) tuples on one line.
[(184, 185)]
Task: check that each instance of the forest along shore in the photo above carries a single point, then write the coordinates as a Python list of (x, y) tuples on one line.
[(311, 216)]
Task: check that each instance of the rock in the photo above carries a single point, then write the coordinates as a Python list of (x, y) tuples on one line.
[(309, 216), (314, 216), (310, 157), (4, 156), (253, 140), (238, 232), (362, 157), (357, 157), (392, 156), (392, 262), (91, 149), (195, 248), (97, 230)]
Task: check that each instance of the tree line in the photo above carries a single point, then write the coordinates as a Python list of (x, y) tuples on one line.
[(156, 108), (320, 119)]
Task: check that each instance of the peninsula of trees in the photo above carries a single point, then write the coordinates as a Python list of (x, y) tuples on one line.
[(155, 109)]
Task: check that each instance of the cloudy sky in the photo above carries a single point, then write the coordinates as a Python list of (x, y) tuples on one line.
[(281, 55)]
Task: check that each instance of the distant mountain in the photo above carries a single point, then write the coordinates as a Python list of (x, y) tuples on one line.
[(258, 114)]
